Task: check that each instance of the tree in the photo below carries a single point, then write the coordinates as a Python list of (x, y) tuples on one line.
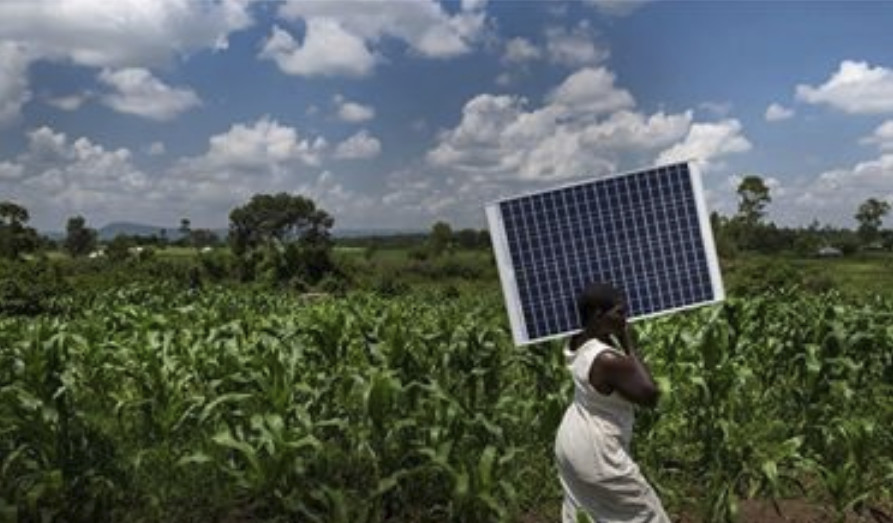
[(274, 222), (185, 232), (441, 238), (16, 237), (278, 219), (204, 238), (870, 215), (754, 196), (80, 240)]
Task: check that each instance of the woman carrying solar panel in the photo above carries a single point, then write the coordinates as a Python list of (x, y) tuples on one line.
[(598, 476)]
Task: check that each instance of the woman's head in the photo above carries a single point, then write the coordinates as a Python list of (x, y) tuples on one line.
[(602, 307)]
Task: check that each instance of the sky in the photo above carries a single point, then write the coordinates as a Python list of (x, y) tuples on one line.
[(398, 114)]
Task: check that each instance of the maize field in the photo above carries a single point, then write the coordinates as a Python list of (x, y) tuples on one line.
[(151, 404)]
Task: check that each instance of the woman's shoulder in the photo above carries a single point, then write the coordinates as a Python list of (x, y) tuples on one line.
[(575, 347)]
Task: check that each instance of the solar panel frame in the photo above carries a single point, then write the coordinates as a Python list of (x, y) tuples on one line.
[(703, 245)]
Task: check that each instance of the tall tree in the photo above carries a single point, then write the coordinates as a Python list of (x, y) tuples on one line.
[(441, 237), (754, 196), (870, 215), (16, 237), (275, 221), (185, 231), (80, 240), (278, 218)]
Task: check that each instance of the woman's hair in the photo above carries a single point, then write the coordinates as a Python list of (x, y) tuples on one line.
[(596, 299)]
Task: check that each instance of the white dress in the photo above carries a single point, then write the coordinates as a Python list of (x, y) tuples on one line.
[(597, 474)]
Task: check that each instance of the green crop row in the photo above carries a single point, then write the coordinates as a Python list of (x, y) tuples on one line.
[(154, 405)]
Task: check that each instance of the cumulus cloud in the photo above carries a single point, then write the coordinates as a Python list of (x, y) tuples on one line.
[(11, 171), (855, 88), (834, 195), (14, 92), (520, 50), (360, 145), (156, 149), (354, 112), (71, 102), (575, 47), (328, 50), (591, 91), (95, 33), (259, 145), (586, 127), (123, 33), (617, 7), (63, 176), (707, 141), (882, 137), (718, 109), (136, 91), (262, 156), (777, 112), (341, 36)]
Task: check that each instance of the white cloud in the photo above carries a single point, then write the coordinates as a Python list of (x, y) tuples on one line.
[(354, 112), (71, 102), (97, 33), (573, 48), (156, 149), (584, 130), (855, 88), (707, 141), (882, 137), (520, 50), (14, 93), (503, 79), (592, 91), (617, 7), (835, 195), (776, 112), (57, 177), (136, 91), (123, 33), (423, 25), (360, 145), (259, 145), (328, 50), (717, 109), (10, 171)]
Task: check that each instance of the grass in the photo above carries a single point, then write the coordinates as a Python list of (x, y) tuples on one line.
[(866, 273)]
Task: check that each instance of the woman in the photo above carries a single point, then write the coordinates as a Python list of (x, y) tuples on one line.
[(597, 474)]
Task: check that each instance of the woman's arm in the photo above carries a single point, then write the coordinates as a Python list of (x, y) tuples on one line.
[(627, 374)]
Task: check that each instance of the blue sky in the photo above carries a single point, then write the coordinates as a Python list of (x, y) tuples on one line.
[(396, 114)]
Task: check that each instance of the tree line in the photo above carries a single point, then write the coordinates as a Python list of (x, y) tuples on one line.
[(289, 235), (748, 230)]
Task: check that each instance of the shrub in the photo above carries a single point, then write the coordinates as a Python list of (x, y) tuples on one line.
[(29, 288)]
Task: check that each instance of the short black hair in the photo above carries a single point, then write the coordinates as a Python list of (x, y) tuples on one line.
[(596, 299)]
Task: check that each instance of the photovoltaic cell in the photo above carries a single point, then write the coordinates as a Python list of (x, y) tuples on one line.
[(646, 232)]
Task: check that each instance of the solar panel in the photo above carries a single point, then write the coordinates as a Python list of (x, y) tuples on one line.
[(646, 232)]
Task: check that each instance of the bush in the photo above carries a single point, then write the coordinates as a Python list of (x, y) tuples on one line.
[(28, 288)]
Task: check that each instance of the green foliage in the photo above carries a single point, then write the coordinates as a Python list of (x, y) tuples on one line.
[(149, 403), (30, 288), (440, 239), (16, 238), (754, 196), (80, 240), (290, 232), (870, 215), (281, 218)]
